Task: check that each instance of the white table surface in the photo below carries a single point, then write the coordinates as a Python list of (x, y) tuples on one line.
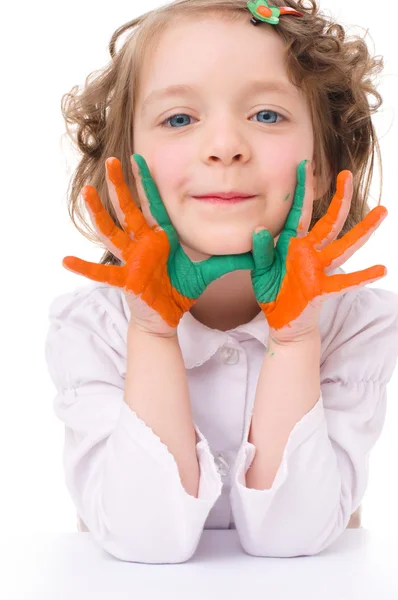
[(361, 564)]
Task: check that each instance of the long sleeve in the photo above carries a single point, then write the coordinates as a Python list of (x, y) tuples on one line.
[(323, 475), (123, 480)]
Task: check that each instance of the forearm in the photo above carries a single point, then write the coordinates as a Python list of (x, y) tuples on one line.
[(288, 388), (156, 389)]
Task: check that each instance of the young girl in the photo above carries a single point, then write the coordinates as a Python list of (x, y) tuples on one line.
[(223, 371)]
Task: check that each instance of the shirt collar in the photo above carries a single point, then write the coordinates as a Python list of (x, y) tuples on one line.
[(199, 342)]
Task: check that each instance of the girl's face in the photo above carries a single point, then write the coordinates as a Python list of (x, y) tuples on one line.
[(223, 133)]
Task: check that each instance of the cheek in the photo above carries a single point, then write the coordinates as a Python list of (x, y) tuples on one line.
[(279, 177), (281, 170), (282, 165), (171, 166)]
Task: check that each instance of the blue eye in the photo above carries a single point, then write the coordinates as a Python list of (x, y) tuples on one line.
[(179, 115), (270, 112)]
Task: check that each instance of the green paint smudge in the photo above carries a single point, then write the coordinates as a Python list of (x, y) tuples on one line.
[(286, 198)]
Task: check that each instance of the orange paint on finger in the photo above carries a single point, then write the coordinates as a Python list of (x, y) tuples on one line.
[(133, 221), (305, 279), (145, 275), (324, 227), (105, 223)]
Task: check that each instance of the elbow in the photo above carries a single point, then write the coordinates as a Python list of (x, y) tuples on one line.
[(319, 536), (138, 540), (288, 549), (269, 550), (133, 550)]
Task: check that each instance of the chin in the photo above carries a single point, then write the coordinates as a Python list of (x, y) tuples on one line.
[(224, 249), (203, 250)]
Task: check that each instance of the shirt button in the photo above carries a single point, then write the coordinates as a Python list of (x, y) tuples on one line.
[(222, 465), (229, 356)]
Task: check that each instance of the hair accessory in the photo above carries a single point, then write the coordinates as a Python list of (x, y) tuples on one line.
[(261, 11)]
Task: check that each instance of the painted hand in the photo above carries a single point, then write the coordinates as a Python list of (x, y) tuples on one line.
[(156, 269), (290, 280)]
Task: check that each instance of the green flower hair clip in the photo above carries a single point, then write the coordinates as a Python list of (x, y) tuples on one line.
[(261, 11)]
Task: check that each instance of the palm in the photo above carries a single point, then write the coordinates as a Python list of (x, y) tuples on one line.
[(156, 267), (291, 280)]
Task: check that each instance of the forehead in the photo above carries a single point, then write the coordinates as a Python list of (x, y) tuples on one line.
[(211, 48)]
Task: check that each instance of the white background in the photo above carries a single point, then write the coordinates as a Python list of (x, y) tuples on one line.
[(46, 48)]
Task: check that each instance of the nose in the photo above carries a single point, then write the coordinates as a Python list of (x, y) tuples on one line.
[(225, 144), (225, 158)]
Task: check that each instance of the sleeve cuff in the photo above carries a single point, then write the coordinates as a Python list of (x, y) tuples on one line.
[(300, 432), (210, 483)]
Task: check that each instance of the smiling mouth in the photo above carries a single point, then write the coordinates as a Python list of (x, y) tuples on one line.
[(217, 200)]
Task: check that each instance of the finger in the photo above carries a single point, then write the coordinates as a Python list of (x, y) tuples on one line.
[(129, 215), (118, 242), (143, 200), (330, 225), (295, 216), (111, 274), (217, 266), (263, 250), (308, 202), (333, 285), (156, 206), (340, 250)]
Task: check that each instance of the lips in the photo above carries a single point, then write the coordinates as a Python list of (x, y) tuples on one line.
[(220, 200), (226, 195)]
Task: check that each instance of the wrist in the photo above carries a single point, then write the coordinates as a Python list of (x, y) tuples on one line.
[(141, 329), (309, 336)]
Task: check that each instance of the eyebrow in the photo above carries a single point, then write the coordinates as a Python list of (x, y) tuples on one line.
[(253, 87)]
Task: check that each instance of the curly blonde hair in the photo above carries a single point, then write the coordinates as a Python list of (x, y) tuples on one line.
[(336, 73)]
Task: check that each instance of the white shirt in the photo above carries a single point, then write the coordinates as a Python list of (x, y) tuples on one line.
[(124, 481)]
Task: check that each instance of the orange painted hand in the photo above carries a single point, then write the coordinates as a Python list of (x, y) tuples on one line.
[(290, 280), (160, 281)]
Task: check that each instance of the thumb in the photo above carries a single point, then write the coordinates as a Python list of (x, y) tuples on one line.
[(218, 266), (263, 248)]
